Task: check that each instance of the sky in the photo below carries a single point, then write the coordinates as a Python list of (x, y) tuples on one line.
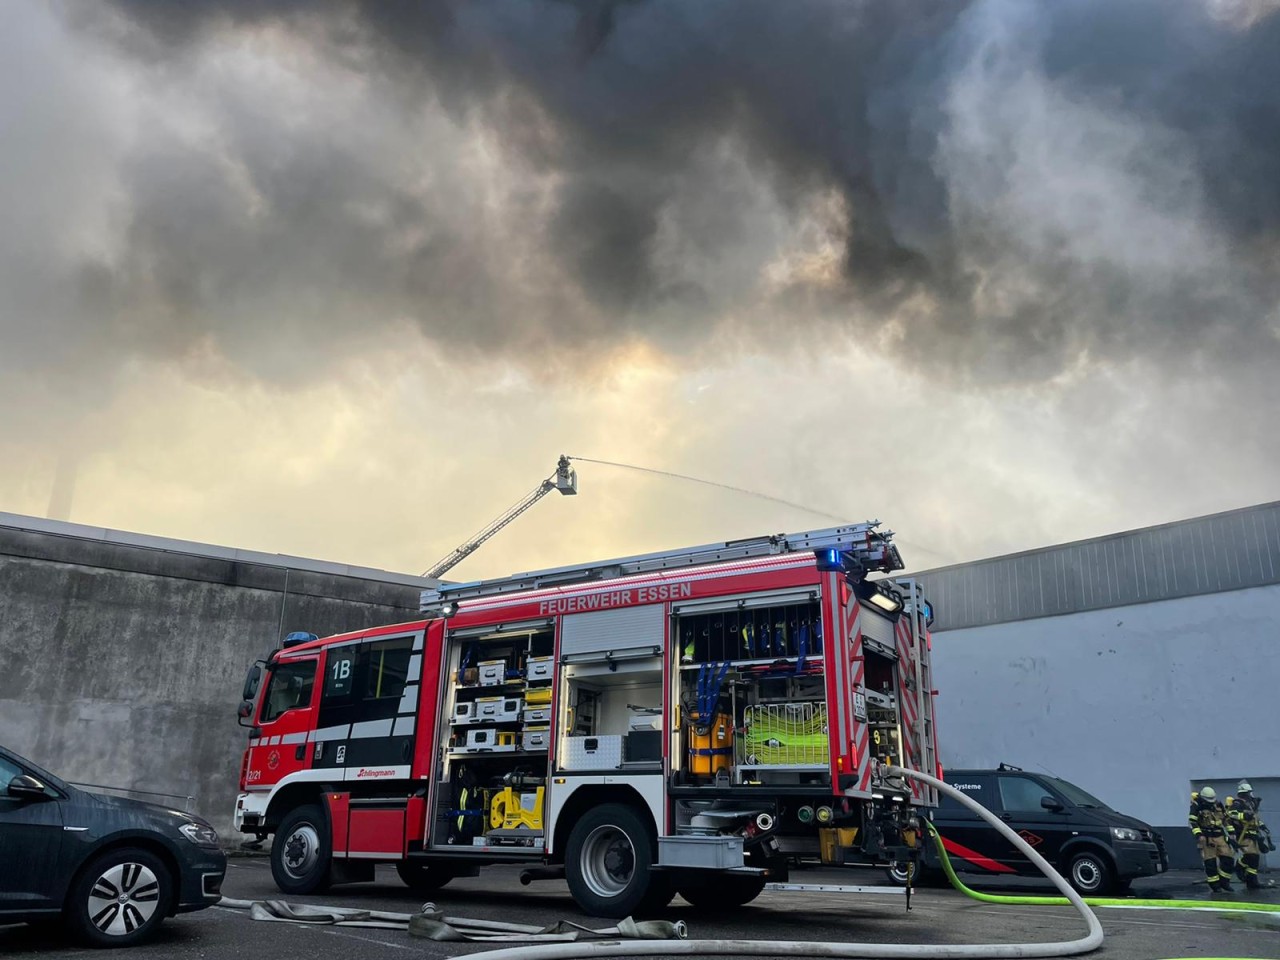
[(343, 280)]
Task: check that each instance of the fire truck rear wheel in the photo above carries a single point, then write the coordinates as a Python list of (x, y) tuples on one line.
[(423, 877), (721, 892), (608, 861), (300, 852)]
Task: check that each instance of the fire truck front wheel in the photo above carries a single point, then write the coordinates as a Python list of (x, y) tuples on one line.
[(608, 861), (300, 851)]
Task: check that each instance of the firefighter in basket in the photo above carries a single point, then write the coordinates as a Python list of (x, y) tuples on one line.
[(1252, 836), (1209, 827)]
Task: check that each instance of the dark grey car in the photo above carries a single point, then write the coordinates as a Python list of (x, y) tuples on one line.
[(112, 868)]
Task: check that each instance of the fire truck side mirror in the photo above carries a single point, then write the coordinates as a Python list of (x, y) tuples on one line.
[(251, 681), (245, 712)]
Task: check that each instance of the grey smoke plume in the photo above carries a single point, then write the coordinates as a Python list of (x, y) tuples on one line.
[(994, 191)]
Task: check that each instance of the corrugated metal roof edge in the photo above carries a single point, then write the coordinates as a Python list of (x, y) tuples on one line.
[(1106, 537)]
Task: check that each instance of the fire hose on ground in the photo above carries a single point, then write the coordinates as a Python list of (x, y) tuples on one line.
[(800, 948), (1225, 906)]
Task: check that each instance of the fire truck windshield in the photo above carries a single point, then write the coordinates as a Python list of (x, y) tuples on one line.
[(288, 688)]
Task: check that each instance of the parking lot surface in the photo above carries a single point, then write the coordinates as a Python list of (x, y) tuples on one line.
[(938, 915)]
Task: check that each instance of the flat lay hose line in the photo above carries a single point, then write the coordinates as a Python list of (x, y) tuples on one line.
[(801, 948), (1037, 901)]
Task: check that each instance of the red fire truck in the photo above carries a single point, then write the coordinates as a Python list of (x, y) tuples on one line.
[(688, 721)]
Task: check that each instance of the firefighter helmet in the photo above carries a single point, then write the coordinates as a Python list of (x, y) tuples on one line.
[(1244, 787), (1208, 793)]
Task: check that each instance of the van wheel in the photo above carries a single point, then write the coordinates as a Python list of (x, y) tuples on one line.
[(423, 877), (721, 892), (300, 852), (1090, 874), (608, 860), (120, 898)]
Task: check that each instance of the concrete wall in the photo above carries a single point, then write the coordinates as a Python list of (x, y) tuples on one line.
[(122, 664), (1131, 702)]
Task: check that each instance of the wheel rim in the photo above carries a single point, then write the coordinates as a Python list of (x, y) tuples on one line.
[(123, 899), (1086, 873), (301, 851), (898, 871), (608, 861)]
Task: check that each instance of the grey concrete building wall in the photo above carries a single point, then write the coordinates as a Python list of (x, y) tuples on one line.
[(1133, 703), (122, 663)]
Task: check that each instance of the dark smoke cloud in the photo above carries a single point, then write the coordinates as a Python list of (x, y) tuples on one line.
[(1010, 189)]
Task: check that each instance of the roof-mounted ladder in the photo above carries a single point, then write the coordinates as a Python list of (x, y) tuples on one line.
[(856, 549)]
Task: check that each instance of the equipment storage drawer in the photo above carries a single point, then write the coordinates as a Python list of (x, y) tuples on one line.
[(492, 672), (486, 739), (496, 709), (464, 712), (537, 714), (538, 697), (592, 753), (540, 668), (535, 739)]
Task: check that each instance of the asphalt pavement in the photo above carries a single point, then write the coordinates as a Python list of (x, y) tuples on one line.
[(938, 916)]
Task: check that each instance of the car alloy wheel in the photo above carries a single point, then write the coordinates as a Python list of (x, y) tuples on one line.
[(123, 899)]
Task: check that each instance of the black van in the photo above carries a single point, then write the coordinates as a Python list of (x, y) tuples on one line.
[(1098, 850)]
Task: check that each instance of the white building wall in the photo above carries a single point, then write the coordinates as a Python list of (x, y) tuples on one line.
[(1130, 703)]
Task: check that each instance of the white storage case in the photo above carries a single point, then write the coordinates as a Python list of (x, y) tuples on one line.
[(539, 668), (592, 753), (498, 709), (492, 672), (485, 740), (464, 712), (537, 714), (535, 739)]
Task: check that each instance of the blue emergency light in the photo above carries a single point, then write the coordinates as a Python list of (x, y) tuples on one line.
[(829, 559), (298, 637)]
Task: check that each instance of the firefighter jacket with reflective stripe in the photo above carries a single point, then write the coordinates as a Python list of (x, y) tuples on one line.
[(1206, 819), (1245, 817)]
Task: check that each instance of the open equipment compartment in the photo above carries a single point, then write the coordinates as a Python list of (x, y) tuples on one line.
[(494, 750)]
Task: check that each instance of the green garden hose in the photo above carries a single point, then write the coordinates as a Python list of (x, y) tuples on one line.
[(1224, 905)]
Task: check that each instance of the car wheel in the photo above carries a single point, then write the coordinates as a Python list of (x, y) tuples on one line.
[(1090, 874), (608, 860), (423, 877), (300, 852), (722, 891), (119, 898), (896, 871)]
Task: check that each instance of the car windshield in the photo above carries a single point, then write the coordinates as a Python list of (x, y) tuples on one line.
[(1080, 798)]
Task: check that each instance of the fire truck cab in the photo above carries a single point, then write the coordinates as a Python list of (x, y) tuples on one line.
[(688, 721)]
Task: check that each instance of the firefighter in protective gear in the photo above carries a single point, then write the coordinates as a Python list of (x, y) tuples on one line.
[(1246, 823), (1209, 827)]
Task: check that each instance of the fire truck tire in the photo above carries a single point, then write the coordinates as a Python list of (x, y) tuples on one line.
[(608, 861), (119, 898), (720, 892), (423, 877), (300, 851)]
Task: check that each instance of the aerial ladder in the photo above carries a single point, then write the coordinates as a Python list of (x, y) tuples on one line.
[(565, 480)]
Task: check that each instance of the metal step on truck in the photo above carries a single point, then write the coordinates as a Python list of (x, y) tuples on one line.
[(690, 721)]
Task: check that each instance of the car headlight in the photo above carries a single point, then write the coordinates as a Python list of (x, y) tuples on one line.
[(1125, 833), (200, 834)]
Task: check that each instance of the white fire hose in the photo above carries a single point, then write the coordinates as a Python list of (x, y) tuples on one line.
[(801, 948)]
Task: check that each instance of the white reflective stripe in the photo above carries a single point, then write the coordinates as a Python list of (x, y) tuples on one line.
[(340, 732), (417, 642), (294, 738), (273, 741), (415, 669), (253, 742), (409, 702), (371, 728), (403, 727)]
